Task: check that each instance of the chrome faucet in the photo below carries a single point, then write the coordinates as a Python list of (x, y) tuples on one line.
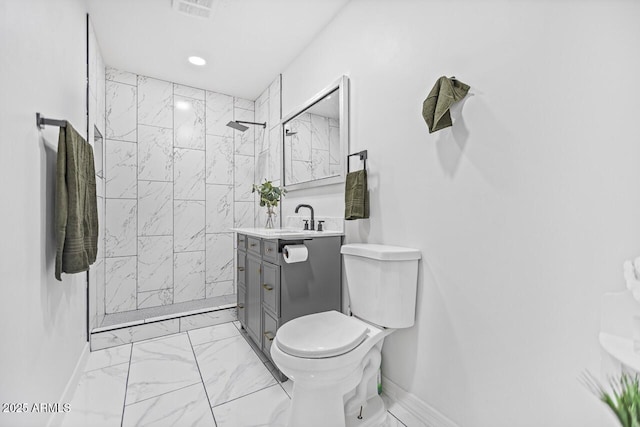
[(313, 226)]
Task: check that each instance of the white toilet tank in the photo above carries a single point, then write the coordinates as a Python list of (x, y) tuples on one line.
[(382, 282)]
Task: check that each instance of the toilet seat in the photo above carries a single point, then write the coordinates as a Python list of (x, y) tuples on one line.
[(334, 334)]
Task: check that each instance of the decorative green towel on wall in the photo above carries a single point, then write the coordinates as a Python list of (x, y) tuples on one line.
[(356, 196), (445, 93), (76, 215)]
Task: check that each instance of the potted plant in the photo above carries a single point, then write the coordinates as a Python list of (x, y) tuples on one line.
[(624, 400), (269, 196)]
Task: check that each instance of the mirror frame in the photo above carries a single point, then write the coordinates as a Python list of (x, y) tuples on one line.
[(342, 84)]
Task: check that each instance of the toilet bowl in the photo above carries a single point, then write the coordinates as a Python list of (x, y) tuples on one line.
[(333, 359), (341, 355)]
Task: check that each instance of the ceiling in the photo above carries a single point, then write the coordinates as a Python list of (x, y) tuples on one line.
[(246, 43)]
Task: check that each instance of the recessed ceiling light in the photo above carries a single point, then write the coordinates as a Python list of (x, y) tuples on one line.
[(196, 60)]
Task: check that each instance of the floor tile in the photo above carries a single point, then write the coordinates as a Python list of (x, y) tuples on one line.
[(212, 333), (99, 398), (268, 408), (108, 357), (160, 366), (187, 407), (230, 369)]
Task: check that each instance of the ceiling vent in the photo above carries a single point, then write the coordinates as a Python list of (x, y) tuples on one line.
[(197, 8)]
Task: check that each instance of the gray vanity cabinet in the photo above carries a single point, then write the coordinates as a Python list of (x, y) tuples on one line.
[(272, 292)]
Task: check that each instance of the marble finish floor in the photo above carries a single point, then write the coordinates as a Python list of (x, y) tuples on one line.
[(209, 377)]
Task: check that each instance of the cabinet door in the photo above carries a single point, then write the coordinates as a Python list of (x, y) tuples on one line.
[(242, 312), (242, 242), (270, 326), (271, 287), (252, 299), (242, 268)]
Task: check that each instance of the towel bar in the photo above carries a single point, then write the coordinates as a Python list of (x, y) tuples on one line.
[(363, 157), (42, 121)]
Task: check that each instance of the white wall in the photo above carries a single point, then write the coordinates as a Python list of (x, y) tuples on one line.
[(42, 321), (524, 211)]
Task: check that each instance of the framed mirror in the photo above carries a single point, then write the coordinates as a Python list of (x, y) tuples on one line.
[(316, 139)]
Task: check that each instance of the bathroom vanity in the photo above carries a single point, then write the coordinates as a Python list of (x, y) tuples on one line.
[(271, 291)]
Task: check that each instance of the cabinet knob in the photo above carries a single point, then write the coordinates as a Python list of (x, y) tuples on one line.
[(268, 250), (240, 305), (240, 268), (253, 244), (269, 335), (267, 287)]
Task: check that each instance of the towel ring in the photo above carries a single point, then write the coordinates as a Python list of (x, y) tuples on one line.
[(363, 157)]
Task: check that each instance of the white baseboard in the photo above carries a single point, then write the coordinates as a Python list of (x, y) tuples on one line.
[(56, 417), (424, 413)]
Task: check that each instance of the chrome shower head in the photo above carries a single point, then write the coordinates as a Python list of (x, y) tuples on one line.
[(237, 126)]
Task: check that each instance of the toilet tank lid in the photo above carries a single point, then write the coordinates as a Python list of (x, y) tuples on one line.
[(380, 252)]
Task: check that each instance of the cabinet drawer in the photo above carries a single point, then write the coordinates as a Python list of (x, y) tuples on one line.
[(241, 307), (270, 326), (253, 245), (271, 287), (242, 268), (270, 250), (242, 242)]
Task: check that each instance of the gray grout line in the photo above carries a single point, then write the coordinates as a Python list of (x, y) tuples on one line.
[(243, 396), (105, 367), (162, 394), (206, 393), (173, 196), (126, 387), (399, 420), (209, 342)]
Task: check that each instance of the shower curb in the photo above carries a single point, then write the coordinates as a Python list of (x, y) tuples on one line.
[(115, 335)]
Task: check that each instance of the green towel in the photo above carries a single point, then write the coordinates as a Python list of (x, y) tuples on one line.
[(445, 93), (356, 196), (76, 215)]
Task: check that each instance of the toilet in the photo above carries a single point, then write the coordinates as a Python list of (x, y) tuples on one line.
[(333, 359)]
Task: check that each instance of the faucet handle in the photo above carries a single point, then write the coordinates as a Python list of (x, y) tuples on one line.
[(320, 225), (306, 224)]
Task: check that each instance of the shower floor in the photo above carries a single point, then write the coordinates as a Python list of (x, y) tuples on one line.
[(146, 315)]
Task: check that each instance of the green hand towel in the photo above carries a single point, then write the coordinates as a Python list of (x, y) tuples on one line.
[(76, 209), (356, 196), (445, 93)]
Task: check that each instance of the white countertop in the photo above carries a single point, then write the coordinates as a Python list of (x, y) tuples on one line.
[(285, 233)]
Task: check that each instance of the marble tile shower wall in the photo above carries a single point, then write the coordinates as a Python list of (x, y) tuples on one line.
[(177, 178), (268, 141)]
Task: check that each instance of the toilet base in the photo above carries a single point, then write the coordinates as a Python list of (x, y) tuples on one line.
[(373, 415)]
